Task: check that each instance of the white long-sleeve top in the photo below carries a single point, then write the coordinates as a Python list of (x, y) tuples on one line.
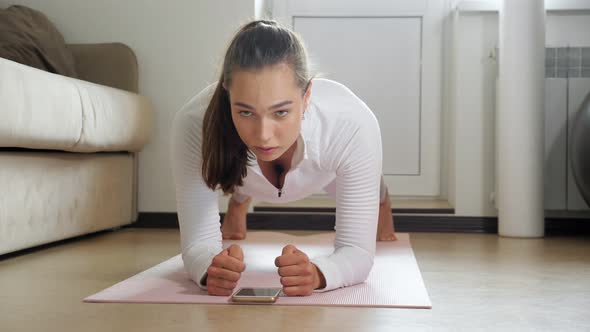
[(340, 141)]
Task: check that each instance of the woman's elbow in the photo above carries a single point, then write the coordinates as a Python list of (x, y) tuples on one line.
[(367, 267), (361, 265)]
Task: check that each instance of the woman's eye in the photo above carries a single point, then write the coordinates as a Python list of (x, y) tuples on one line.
[(281, 114), (245, 113)]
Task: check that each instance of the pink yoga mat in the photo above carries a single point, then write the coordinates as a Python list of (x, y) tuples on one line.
[(394, 282)]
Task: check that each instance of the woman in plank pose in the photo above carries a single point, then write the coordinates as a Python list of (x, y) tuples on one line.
[(267, 130)]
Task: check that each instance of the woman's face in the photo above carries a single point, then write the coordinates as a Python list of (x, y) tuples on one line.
[(267, 108)]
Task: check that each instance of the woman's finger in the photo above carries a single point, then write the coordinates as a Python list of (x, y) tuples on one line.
[(221, 283), (296, 281), (222, 273), (212, 290), (236, 251), (229, 263), (289, 249), (290, 270), (291, 259), (297, 290)]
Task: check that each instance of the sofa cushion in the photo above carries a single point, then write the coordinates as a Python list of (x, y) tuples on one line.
[(28, 37), (40, 110)]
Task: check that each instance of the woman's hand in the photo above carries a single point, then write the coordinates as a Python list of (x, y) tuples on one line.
[(225, 271), (298, 275)]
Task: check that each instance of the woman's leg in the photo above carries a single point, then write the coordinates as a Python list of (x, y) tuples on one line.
[(234, 221), (385, 228)]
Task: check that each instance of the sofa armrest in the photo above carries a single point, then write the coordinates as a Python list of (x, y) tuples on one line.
[(110, 64)]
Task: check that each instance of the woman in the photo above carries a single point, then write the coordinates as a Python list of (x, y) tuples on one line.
[(261, 132)]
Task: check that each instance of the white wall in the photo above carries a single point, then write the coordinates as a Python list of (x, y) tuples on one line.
[(179, 45), (263, 9)]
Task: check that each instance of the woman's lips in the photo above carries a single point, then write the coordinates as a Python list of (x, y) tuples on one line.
[(266, 150)]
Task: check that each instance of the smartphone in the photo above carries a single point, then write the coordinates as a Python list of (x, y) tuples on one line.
[(256, 295)]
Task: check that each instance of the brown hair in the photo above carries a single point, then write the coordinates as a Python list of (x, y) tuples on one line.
[(256, 45)]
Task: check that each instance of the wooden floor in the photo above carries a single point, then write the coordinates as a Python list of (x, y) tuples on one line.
[(475, 282)]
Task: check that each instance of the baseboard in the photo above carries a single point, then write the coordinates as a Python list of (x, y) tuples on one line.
[(403, 223), (284, 209), (58, 243)]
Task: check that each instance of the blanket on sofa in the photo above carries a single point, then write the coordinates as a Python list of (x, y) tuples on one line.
[(28, 37)]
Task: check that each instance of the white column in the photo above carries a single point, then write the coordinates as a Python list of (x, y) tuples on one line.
[(520, 119)]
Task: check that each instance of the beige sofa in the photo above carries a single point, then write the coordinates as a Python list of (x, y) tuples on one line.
[(68, 147)]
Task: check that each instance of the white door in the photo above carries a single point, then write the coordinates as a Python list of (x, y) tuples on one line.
[(389, 54)]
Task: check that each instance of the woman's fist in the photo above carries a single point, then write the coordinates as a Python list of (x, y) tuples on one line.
[(225, 271), (298, 275)]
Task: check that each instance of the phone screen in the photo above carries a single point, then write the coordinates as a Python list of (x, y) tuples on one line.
[(258, 292)]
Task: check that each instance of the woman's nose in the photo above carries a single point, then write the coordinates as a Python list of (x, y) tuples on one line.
[(265, 130)]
